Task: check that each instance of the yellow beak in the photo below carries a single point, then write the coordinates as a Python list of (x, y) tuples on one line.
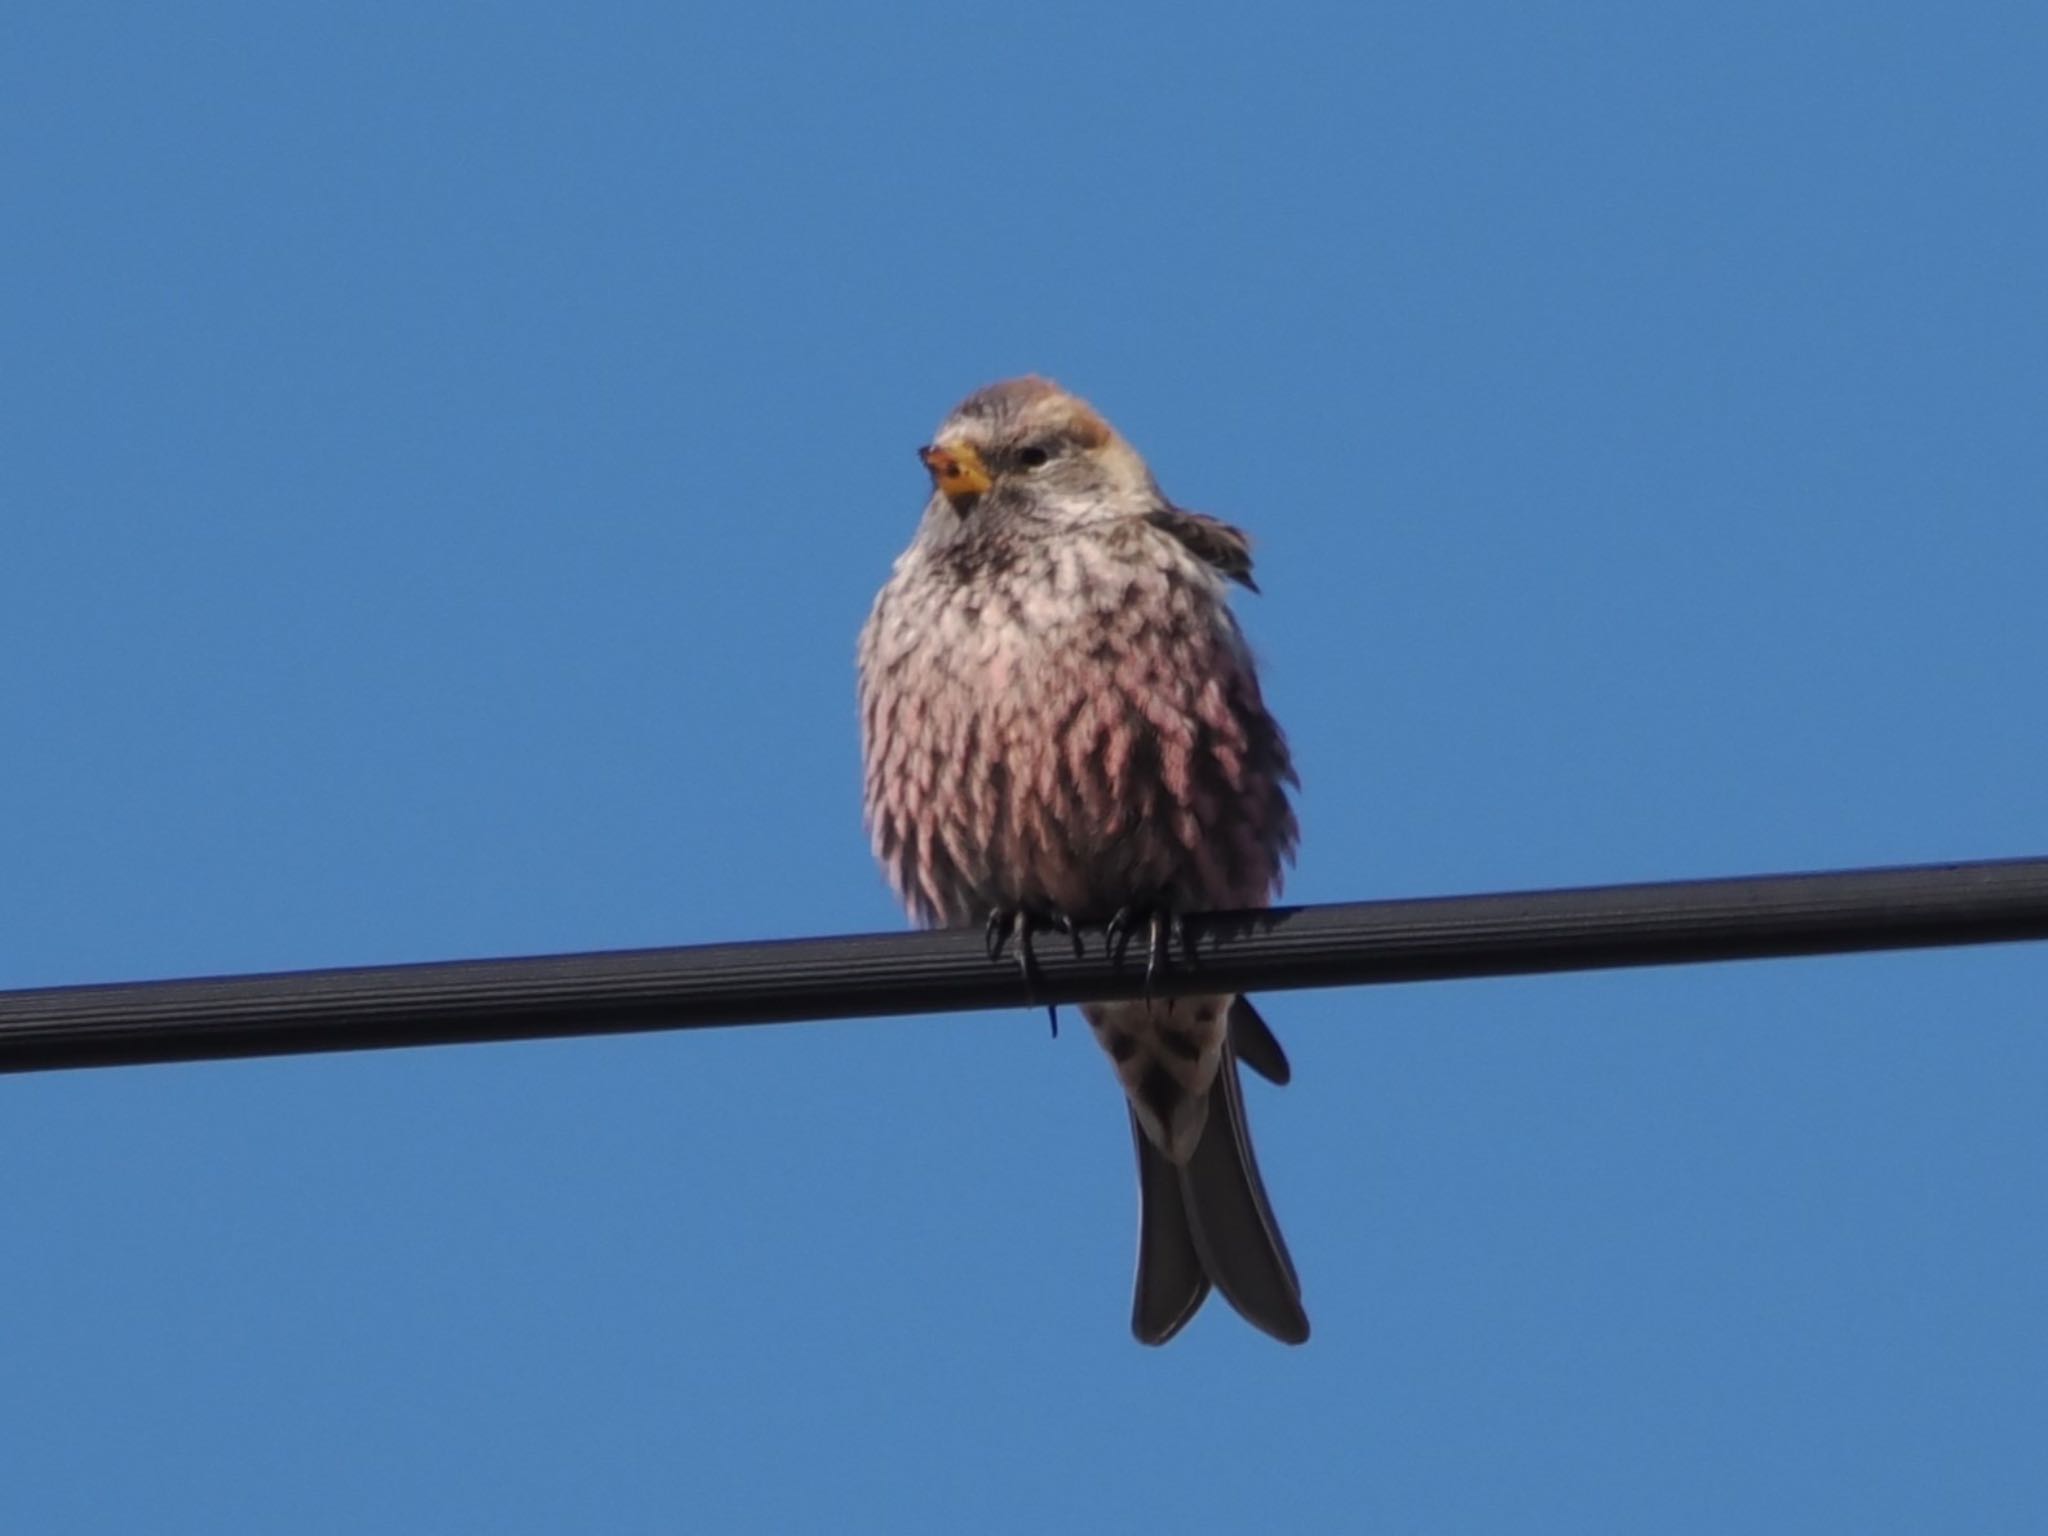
[(958, 472)]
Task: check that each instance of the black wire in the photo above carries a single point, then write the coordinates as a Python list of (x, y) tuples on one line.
[(1349, 944)]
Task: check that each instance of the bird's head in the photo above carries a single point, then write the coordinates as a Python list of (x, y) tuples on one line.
[(1026, 451)]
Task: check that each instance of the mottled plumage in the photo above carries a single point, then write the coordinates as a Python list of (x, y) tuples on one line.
[(1060, 716)]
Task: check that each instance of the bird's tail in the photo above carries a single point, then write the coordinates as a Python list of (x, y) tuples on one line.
[(1207, 1221)]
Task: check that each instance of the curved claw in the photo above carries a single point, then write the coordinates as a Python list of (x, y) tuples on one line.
[(1116, 932), (1014, 923), (1164, 928), (1065, 924), (1005, 923)]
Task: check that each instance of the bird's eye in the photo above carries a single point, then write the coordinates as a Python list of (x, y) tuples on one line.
[(1032, 456)]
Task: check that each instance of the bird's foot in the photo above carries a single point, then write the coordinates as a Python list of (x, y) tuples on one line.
[(1019, 923), (1164, 928)]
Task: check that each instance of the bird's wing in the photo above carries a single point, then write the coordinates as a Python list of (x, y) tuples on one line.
[(1210, 539)]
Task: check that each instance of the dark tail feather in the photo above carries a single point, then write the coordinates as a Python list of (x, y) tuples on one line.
[(1254, 1042), (1229, 1220), (1171, 1281)]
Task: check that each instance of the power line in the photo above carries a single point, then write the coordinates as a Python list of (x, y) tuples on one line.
[(1348, 944)]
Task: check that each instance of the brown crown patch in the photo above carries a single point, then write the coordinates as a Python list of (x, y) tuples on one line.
[(1087, 428)]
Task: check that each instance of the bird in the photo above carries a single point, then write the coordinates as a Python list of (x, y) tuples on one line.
[(1062, 725)]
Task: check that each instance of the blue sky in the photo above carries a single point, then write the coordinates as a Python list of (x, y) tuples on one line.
[(447, 454)]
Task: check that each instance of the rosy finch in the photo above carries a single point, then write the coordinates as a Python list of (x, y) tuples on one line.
[(1061, 723)]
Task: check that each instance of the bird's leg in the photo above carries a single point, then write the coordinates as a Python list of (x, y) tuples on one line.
[(1061, 923), (1168, 929), (1164, 927), (1116, 933), (1005, 923)]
